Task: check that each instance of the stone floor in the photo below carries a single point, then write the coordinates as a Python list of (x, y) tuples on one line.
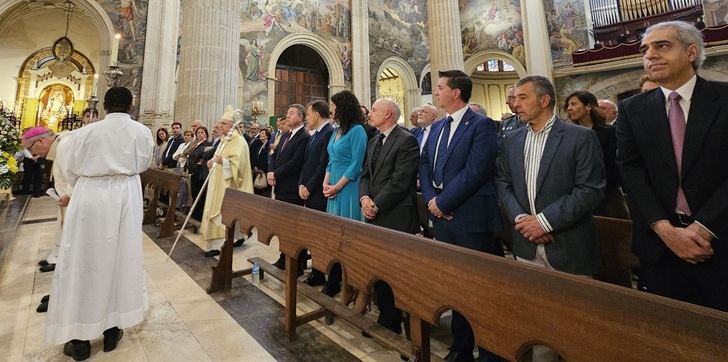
[(183, 322)]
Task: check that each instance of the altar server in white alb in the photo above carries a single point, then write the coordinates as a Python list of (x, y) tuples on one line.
[(98, 286)]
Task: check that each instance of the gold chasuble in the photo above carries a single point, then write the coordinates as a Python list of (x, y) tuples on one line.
[(236, 173)]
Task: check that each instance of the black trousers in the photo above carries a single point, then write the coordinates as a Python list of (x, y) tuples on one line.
[(703, 284), (33, 175), (446, 231), (196, 181)]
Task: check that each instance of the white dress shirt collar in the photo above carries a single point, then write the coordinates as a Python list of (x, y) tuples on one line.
[(685, 90)]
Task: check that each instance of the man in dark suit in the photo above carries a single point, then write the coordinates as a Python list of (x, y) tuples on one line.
[(168, 161), (457, 175), (387, 190), (315, 160), (550, 178), (287, 159), (671, 155)]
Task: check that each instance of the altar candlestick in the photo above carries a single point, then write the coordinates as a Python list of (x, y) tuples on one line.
[(96, 84), (115, 49)]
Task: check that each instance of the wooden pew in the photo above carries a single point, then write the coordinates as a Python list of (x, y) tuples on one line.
[(161, 181), (510, 306)]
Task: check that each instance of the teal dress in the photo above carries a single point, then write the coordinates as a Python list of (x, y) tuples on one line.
[(346, 156)]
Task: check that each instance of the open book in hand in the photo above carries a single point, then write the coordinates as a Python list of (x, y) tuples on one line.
[(52, 193)]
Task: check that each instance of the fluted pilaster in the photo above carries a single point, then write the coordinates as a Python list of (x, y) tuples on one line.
[(446, 49), (536, 39), (208, 69), (157, 98), (361, 69)]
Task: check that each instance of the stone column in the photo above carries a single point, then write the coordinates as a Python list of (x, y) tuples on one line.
[(446, 44), (208, 70), (361, 71), (156, 107), (536, 39)]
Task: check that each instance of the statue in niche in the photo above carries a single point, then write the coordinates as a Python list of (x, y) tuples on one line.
[(56, 102)]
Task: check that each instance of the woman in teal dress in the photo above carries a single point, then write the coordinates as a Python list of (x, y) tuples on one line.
[(347, 149)]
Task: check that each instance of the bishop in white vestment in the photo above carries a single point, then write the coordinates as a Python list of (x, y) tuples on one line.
[(234, 171), (98, 283)]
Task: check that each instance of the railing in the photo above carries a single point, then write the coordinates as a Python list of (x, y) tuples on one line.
[(70, 123), (610, 12), (510, 306)]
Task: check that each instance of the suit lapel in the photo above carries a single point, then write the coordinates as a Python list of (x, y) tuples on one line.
[(654, 119), (704, 108), (549, 150), (459, 132), (385, 148), (519, 170)]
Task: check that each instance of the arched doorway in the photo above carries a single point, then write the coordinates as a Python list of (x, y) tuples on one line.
[(301, 77), (396, 80), (493, 73), (324, 50)]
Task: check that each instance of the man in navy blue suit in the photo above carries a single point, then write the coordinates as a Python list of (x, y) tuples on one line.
[(315, 160), (457, 178)]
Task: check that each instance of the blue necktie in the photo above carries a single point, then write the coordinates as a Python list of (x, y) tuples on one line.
[(311, 140), (420, 133), (441, 152)]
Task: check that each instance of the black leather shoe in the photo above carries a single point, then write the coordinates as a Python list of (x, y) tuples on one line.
[(78, 350), (112, 336), (314, 280), (211, 253), (47, 268), (280, 263), (42, 307), (238, 243), (453, 356), (43, 262), (331, 290), (45, 298)]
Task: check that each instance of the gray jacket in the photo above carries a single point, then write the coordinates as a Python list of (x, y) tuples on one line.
[(571, 182)]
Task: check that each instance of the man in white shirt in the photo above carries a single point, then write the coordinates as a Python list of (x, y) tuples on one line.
[(672, 149)]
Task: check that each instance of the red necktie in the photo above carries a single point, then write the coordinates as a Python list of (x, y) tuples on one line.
[(677, 128)]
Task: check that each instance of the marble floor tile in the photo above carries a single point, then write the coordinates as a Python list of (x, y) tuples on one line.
[(41, 208)]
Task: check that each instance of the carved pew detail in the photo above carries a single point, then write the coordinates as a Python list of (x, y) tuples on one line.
[(510, 306)]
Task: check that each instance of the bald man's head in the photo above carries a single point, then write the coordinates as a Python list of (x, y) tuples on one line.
[(384, 114), (428, 114)]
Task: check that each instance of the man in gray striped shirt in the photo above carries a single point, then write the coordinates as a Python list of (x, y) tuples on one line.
[(550, 178)]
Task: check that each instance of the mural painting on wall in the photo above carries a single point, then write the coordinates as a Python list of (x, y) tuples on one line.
[(54, 105), (492, 24), (716, 12), (129, 18), (398, 28), (567, 29), (263, 23)]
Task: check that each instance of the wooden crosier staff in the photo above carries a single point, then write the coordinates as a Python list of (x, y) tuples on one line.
[(219, 150)]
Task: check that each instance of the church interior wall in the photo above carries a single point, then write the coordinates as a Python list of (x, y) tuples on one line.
[(716, 12), (397, 28), (264, 24), (129, 18), (568, 29), (609, 84), (492, 24)]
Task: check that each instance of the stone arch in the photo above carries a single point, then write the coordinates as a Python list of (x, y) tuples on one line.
[(409, 81), (612, 86), (10, 12), (322, 47), (482, 56)]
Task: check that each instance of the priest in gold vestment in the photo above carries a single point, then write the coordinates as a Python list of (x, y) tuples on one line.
[(231, 169)]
